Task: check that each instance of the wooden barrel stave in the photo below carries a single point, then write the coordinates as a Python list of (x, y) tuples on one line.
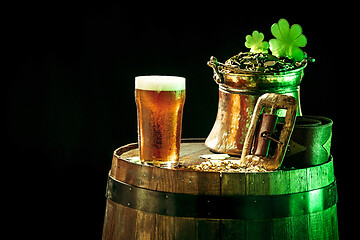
[(128, 223)]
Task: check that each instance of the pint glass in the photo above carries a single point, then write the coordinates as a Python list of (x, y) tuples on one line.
[(160, 101)]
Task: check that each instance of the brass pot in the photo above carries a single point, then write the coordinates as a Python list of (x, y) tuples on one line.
[(238, 93)]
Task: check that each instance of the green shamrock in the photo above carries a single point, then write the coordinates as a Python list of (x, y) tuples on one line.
[(288, 40), (255, 43)]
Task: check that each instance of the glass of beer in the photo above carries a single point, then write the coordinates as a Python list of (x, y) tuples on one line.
[(159, 101)]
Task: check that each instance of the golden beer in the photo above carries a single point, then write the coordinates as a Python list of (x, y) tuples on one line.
[(160, 101)]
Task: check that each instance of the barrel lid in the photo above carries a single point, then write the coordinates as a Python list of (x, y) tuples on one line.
[(215, 183)]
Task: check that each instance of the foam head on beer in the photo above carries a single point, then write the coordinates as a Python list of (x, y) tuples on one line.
[(160, 83)]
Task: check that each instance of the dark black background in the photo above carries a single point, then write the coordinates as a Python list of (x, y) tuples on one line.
[(69, 96)]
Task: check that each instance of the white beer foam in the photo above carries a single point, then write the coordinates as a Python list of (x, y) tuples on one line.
[(160, 83)]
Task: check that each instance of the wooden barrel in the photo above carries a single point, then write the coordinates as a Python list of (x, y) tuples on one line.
[(145, 202)]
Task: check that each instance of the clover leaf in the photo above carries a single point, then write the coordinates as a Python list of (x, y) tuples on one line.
[(288, 40), (255, 43)]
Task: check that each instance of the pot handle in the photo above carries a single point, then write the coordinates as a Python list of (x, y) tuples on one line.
[(214, 64)]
